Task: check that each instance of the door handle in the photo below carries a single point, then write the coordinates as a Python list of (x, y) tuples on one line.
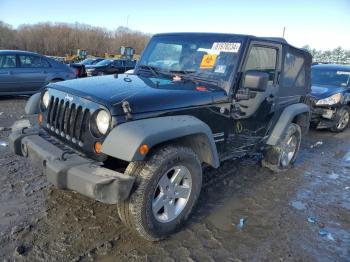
[(44, 72)]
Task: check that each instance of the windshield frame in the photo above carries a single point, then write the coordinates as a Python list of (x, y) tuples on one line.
[(329, 70), (225, 82)]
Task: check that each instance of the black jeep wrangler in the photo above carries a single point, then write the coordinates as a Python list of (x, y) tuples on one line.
[(194, 99)]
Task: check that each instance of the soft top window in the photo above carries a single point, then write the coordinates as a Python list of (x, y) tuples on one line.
[(293, 67)]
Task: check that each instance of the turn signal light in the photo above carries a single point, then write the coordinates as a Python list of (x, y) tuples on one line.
[(143, 149), (40, 118), (98, 147), (201, 88)]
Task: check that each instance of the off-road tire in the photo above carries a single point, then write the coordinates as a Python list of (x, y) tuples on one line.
[(136, 212), (340, 112), (272, 155)]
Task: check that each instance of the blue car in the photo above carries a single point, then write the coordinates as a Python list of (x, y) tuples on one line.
[(25, 73), (331, 96)]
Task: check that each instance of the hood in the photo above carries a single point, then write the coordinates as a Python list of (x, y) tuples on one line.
[(143, 94), (320, 91)]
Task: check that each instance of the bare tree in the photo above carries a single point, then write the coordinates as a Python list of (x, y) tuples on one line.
[(60, 39)]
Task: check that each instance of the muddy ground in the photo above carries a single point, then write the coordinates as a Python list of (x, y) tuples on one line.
[(299, 215)]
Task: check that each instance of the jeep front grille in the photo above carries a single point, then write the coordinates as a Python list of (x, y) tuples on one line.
[(67, 120)]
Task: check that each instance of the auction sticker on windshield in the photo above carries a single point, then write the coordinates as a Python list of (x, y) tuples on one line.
[(208, 61), (226, 47)]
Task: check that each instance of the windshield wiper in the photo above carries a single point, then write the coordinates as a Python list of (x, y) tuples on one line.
[(183, 72), (151, 69)]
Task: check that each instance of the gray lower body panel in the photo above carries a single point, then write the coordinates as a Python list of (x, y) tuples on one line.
[(72, 171)]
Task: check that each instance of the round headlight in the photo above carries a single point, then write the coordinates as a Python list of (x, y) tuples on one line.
[(46, 99), (102, 121)]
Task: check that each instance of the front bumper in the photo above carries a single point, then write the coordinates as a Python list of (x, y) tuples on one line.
[(66, 169), (324, 117)]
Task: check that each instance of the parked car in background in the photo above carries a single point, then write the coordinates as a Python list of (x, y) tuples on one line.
[(110, 66), (23, 72), (91, 61), (79, 69), (331, 95)]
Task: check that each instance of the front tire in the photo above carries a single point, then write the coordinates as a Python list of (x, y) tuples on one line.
[(282, 156), (166, 189), (343, 119)]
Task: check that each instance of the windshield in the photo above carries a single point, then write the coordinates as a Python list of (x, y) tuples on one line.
[(104, 62), (208, 56), (87, 61), (330, 77)]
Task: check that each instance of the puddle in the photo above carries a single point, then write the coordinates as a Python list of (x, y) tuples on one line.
[(347, 157), (298, 205), (333, 176), (3, 143)]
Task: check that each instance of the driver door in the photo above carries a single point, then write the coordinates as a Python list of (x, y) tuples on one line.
[(253, 112)]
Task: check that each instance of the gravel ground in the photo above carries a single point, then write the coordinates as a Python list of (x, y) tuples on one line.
[(299, 215)]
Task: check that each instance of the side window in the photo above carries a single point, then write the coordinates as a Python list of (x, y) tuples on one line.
[(294, 70), (262, 59), (7, 61), (129, 63), (118, 63), (28, 61)]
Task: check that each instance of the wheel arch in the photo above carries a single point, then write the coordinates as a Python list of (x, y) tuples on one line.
[(123, 141), (297, 113)]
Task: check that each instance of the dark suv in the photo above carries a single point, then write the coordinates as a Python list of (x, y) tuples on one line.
[(331, 94), (141, 140)]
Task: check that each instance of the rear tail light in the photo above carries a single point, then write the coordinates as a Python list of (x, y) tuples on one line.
[(77, 72)]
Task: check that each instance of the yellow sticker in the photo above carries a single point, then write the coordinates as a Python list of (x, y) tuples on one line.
[(208, 61)]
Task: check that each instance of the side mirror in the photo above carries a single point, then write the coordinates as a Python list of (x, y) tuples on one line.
[(255, 80)]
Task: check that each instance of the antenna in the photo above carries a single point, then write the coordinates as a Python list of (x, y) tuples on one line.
[(127, 21), (284, 31)]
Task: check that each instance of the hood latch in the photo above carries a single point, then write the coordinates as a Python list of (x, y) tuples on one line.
[(127, 110)]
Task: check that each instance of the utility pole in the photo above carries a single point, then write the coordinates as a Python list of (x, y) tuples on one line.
[(284, 31)]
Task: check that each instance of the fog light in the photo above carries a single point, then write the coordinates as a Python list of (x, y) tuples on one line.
[(143, 149), (98, 147), (327, 114)]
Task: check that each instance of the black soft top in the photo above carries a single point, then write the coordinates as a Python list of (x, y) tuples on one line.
[(279, 40)]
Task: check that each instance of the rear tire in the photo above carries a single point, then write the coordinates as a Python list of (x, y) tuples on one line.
[(343, 116), (282, 156), (166, 189)]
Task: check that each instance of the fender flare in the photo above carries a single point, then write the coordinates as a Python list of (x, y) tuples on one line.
[(32, 106), (287, 117), (124, 140)]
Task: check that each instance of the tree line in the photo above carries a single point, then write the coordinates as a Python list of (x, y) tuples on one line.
[(60, 39), (337, 55)]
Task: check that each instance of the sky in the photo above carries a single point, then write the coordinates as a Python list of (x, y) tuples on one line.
[(321, 24)]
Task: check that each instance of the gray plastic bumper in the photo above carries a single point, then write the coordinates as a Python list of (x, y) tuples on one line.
[(72, 171)]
